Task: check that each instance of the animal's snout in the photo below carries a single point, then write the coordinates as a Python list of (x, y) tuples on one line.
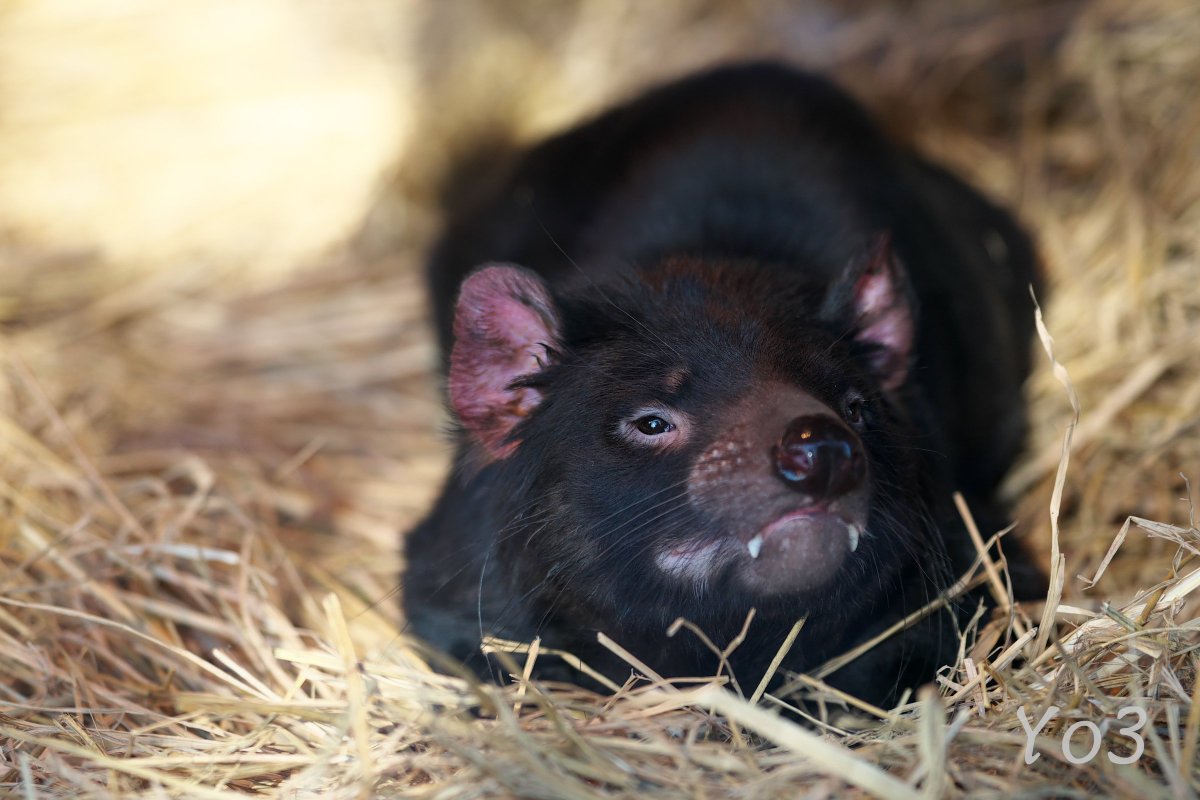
[(820, 458)]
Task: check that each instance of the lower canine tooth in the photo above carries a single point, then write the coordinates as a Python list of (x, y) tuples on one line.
[(755, 546), (854, 534)]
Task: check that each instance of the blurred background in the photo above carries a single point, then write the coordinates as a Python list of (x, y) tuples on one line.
[(261, 132), (212, 214)]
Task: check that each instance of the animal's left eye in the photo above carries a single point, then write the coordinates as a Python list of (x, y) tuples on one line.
[(653, 425), (854, 410)]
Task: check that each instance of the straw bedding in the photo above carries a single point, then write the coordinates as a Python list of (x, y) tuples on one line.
[(205, 463)]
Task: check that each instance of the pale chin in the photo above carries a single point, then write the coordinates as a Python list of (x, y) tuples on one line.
[(853, 533), (800, 552)]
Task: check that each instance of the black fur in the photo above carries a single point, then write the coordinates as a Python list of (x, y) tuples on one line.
[(704, 225)]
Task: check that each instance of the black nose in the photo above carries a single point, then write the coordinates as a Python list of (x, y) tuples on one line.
[(819, 457)]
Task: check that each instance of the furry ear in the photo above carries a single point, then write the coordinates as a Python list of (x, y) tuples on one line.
[(876, 298), (505, 325)]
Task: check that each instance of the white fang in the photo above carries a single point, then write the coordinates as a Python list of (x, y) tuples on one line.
[(755, 546)]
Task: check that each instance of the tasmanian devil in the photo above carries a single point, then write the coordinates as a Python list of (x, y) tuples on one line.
[(723, 347)]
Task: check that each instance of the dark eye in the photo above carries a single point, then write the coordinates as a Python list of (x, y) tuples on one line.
[(652, 425), (853, 410)]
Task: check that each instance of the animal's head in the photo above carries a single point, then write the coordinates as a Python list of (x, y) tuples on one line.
[(698, 436)]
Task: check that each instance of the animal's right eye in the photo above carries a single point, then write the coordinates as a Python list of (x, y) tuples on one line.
[(653, 425)]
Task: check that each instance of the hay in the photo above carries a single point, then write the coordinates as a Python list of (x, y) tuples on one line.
[(202, 472)]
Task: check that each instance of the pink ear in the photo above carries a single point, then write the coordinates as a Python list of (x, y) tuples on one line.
[(504, 324), (883, 314)]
